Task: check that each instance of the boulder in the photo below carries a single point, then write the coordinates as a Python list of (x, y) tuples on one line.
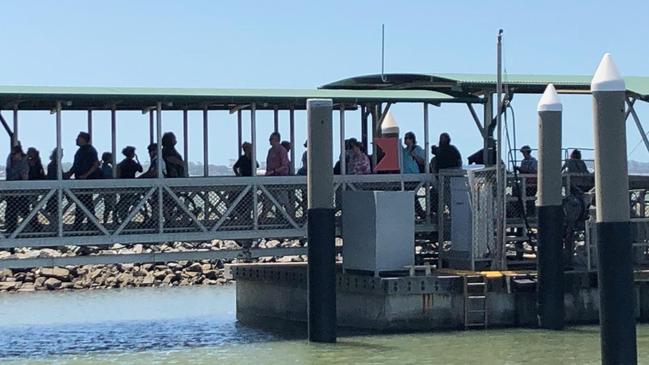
[(139, 248), (39, 282), (26, 287), (148, 280), (206, 267), (52, 283), (56, 273), (48, 252), (195, 267), (8, 285)]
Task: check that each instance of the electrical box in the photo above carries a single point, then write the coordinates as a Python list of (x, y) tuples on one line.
[(378, 230)]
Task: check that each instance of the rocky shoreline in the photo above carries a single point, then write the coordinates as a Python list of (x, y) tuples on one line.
[(181, 273)]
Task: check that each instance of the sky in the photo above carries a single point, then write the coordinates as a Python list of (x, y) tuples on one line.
[(298, 44)]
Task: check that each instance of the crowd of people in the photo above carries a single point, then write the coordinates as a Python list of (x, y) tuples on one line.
[(87, 165)]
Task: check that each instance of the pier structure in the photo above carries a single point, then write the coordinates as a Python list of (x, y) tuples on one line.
[(246, 210)]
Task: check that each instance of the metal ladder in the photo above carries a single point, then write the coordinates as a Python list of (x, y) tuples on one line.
[(475, 301)]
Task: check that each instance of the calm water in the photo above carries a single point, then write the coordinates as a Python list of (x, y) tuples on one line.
[(196, 325)]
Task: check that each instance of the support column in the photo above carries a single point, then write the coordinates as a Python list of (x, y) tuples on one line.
[(550, 210), (206, 162), (343, 161), (616, 294), (59, 171), (364, 127), (487, 138), (15, 120), (151, 139), (292, 137), (90, 124), (276, 119), (186, 141), (239, 132), (321, 236), (253, 139), (113, 139), (159, 166)]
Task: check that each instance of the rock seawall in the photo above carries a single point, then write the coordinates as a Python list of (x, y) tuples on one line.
[(181, 273)]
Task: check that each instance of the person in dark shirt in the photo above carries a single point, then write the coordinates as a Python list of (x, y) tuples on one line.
[(127, 168), (152, 171), (130, 165), (17, 169), (447, 155), (85, 166), (36, 171), (174, 163), (52, 166), (243, 166)]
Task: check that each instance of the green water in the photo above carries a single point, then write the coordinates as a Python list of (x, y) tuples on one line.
[(198, 326)]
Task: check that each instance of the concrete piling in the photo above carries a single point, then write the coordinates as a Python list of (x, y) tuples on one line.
[(617, 315), (550, 213), (321, 223)]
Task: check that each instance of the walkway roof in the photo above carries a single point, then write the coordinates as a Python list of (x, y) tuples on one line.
[(463, 85), (86, 98)]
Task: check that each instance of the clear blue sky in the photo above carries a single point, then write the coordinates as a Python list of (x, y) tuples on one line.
[(297, 44)]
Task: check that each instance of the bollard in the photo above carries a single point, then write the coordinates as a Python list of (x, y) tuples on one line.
[(617, 308), (321, 223), (550, 213)]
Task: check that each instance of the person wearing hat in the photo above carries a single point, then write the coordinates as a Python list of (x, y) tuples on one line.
[(529, 165), (243, 166)]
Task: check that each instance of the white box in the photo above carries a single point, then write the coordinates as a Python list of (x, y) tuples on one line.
[(378, 230)]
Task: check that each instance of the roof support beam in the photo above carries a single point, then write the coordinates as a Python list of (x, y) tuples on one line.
[(631, 110), (6, 126), (476, 119)]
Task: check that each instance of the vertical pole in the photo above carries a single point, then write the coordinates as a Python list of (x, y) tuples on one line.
[(113, 138), (239, 132), (364, 126), (59, 170), (321, 249), (426, 162), (550, 210), (499, 260), (375, 122), (343, 161), (616, 294), (276, 119), (486, 136), (206, 162), (291, 116), (90, 125), (151, 139), (15, 120), (186, 140), (253, 138), (159, 167)]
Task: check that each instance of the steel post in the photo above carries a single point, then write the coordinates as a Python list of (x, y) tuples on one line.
[(186, 141), (343, 161), (617, 297), (206, 141), (59, 171), (159, 159), (113, 139), (321, 223), (90, 124), (15, 120)]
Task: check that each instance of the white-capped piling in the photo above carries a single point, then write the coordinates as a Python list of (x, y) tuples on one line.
[(617, 297), (550, 212), (321, 223)]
